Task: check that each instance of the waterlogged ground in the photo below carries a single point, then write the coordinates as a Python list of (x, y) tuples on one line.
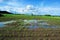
[(28, 27), (2, 24), (32, 24), (29, 24), (29, 30)]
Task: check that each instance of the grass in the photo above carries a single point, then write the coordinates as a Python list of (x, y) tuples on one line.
[(51, 19), (16, 30), (25, 34), (28, 17)]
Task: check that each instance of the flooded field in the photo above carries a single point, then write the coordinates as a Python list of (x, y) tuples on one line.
[(31, 24), (2, 24), (29, 30)]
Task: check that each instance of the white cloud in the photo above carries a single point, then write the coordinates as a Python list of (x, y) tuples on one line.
[(19, 10), (4, 8), (31, 9), (49, 10)]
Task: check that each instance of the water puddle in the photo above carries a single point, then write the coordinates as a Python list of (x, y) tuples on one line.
[(2, 24), (32, 24)]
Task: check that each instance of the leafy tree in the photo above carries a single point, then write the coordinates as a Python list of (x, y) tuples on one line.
[(47, 15)]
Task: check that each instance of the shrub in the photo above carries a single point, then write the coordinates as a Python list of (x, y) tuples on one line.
[(47, 15)]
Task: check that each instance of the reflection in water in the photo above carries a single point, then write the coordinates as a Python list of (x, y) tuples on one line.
[(2, 24), (32, 24), (38, 24)]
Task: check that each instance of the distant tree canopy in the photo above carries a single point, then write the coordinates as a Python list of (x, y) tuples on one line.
[(4, 12), (47, 15)]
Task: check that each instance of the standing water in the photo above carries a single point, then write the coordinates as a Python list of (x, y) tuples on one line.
[(2, 24), (32, 24)]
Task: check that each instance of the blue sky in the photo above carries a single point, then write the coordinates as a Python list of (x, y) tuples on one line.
[(31, 6)]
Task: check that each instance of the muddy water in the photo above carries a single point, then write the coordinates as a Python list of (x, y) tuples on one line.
[(32, 24), (2, 24)]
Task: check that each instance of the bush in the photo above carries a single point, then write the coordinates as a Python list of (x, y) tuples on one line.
[(47, 15), (1, 15)]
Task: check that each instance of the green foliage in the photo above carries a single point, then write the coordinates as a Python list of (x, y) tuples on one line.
[(1, 15), (47, 15), (16, 30)]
